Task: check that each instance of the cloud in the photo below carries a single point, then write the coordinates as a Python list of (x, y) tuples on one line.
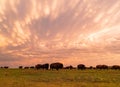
[(48, 31)]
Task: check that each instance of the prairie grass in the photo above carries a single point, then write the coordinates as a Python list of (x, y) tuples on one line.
[(61, 78)]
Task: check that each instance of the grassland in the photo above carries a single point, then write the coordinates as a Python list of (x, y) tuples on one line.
[(61, 78)]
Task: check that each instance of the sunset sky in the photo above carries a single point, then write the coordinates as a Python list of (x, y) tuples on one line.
[(67, 31)]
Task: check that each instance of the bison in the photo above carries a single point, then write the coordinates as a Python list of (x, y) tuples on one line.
[(42, 66), (20, 67), (32, 67), (90, 67), (46, 66), (81, 66), (6, 67), (1, 67), (68, 67), (102, 67), (56, 66), (38, 66), (115, 67), (26, 67)]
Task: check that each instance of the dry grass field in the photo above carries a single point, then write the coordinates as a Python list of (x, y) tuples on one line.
[(61, 78)]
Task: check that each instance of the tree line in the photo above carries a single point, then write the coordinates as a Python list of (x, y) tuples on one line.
[(59, 65)]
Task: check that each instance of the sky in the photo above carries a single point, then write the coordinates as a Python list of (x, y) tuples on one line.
[(67, 31)]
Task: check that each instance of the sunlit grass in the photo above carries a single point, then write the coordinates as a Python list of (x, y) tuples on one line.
[(61, 78)]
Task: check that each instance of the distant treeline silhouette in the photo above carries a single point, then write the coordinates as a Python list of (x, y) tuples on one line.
[(59, 65)]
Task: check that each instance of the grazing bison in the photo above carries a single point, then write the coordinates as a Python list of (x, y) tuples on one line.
[(1, 67), (46, 66), (32, 67), (20, 67), (115, 67), (42, 66), (56, 66), (6, 67), (26, 67), (102, 67), (91, 67), (68, 67), (81, 66), (38, 66)]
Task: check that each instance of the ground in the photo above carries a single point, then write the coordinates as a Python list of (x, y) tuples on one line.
[(61, 78)]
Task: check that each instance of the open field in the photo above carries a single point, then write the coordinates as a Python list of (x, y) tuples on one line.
[(61, 78)]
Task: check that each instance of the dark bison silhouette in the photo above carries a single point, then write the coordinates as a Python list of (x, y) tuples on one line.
[(56, 66), (6, 67), (90, 67), (26, 67), (20, 67), (32, 67), (68, 67), (1, 67), (115, 67), (42, 66), (81, 66), (102, 67)]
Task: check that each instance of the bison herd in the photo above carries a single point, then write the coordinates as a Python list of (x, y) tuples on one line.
[(59, 65), (42, 66)]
